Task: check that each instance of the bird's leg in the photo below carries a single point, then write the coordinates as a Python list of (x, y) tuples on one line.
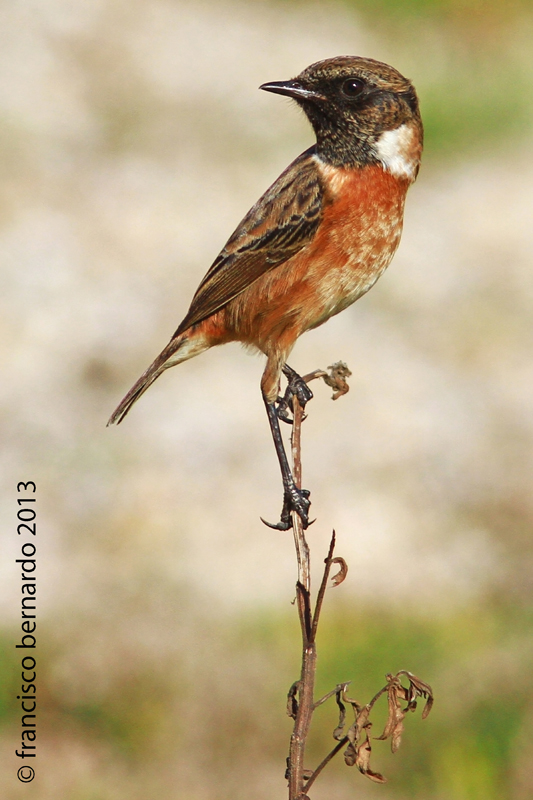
[(295, 386), (294, 499)]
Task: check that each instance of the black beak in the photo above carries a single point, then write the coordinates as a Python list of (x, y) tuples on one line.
[(292, 89)]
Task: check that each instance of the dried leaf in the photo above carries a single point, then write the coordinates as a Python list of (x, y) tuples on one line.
[(292, 702), (342, 573), (358, 753), (423, 688), (361, 722), (427, 708), (350, 755), (417, 688), (354, 704), (396, 693), (396, 736), (339, 730), (354, 734), (377, 777), (362, 761), (394, 725), (337, 379)]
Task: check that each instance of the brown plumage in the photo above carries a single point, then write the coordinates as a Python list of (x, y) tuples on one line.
[(318, 238)]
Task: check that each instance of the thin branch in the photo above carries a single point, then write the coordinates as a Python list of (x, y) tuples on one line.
[(302, 549), (317, 373), (303, 599), (376, 697), (304, 710), (325, 762), (323, 585), (340, 687)]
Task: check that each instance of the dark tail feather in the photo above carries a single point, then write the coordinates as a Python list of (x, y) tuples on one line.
[(147, 378)]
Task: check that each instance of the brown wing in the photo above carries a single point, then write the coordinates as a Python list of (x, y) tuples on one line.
[(280, 224)]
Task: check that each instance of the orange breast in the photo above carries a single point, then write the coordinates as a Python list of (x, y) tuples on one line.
[(357, 237)]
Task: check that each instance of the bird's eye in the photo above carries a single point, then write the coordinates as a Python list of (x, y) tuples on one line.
[(352, 87)]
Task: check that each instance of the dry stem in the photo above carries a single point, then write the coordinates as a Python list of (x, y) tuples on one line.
[(303, 589), (308, 623), (301, 704)]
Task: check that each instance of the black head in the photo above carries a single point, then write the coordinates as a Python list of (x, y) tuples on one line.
[(351, 102)]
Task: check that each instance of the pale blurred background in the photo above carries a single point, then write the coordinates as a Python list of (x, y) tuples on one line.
[(133, 141)]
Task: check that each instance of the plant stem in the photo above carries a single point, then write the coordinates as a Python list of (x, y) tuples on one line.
[(302, 549), (302, 722), (303, 589), (325, 761)]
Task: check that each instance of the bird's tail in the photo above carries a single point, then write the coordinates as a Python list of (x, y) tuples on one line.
[(175, 352)]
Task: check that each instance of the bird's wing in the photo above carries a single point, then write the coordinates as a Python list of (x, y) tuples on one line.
[(280, 224)]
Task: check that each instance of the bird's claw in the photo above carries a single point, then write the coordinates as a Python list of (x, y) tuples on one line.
[(283, 405), (295, 386), (297, 500)]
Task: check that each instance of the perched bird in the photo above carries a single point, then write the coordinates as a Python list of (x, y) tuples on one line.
[(317, 240)]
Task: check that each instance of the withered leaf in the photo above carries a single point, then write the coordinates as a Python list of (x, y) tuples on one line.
[(339, 730), (342, 573), (418, 688), (362, 760), (361, 722), (423, 688), (337, 379), (354, 704), (396, 736), (292, 702), (350, 755), (427, 708), (394, 724), (375, 776)]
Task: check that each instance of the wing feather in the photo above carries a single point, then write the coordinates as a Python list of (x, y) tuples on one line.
[(282, 222)]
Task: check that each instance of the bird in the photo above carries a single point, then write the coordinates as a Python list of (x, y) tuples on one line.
[(316, 240)]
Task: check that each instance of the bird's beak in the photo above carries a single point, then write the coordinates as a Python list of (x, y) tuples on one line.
[(292, 89)]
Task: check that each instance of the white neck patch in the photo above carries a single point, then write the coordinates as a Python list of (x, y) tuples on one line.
[(398, 152)]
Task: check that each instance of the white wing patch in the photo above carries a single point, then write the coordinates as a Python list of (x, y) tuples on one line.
[(398, 151)]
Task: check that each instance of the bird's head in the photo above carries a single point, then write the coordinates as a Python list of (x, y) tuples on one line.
[(362, 111)]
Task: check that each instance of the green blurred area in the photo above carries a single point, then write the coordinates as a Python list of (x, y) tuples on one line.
[(474, 73), (224, 714), (486, 12)]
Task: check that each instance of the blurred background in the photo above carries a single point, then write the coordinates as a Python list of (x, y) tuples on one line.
[(133, 140)]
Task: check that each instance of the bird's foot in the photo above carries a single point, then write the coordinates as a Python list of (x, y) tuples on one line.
[(295, 386), (294, 499), (283, 406)]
